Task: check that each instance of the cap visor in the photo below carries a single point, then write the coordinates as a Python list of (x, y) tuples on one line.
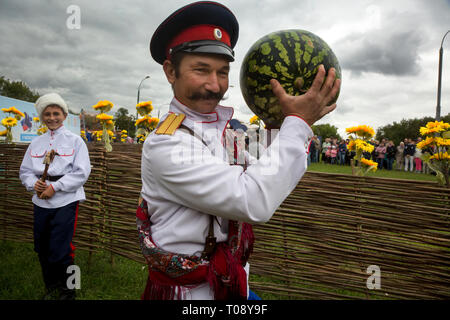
[(214, 49)]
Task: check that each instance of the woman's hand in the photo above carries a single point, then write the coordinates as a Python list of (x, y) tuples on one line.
[(312, 105)]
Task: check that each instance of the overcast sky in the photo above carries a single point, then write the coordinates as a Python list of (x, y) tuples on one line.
[(388, 51)]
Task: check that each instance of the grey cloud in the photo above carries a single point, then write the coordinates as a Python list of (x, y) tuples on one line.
[(382, 52), (104, 59), (109, 55), (343, 108)]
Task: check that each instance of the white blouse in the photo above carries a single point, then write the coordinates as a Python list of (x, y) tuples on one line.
[(72, 162), (183, 180)]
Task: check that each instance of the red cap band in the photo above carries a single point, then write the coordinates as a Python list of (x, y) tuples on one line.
[(199, 32)]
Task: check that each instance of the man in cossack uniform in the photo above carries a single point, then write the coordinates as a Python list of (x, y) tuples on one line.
[(196, 208)]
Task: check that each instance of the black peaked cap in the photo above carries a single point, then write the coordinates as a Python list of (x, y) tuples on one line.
[(197, 13)]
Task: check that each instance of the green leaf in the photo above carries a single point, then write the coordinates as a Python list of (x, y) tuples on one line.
[(440, 178), (425, 157)]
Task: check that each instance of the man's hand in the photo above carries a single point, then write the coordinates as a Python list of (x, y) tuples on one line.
[(48, 193), (40, 186), (312, 105)]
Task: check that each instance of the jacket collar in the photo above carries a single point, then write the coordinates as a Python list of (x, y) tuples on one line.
[(217, 119), (57, 131), (221, 113)]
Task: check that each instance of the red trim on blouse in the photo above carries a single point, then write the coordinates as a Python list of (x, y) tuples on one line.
[(293, 115)]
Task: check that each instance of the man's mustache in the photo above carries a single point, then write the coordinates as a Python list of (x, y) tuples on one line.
[(208, 95)]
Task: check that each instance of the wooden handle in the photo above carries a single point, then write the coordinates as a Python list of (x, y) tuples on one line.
[(44, 176)]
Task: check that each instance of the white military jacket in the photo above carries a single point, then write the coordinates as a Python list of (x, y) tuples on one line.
[(72, 162), (182, 179)]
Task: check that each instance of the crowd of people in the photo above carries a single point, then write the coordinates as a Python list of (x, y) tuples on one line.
[(404, 156)]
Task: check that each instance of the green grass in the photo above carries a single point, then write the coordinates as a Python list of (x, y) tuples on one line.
[(21, 275), (393, 174)]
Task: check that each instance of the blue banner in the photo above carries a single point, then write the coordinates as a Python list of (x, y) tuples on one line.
[(26, 128)]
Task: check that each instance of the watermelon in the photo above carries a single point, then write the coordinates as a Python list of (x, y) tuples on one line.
[(287, 56)]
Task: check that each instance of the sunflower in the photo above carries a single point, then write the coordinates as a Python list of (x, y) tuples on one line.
[(425, 143), (369, 163), (434, 127), (17, 112), (362, 131), (254, 120), (9, 122), (153, 122), (42, 130), (144, 108), (14, 110), (3, 133), (351, 145), (425, 131), (360, 145), (103, 105), (440, 156), (36, 119), (104, 117), (442, 142), (441, 125), (140, 137), (141, 121)]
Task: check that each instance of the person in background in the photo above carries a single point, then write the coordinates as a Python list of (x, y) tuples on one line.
[(316, 142), (408, 153), (56, 200), (333, 152), (325, 146), (418, 160), (348, 154), (328, 153), (399, 157), (342, 149), (312, 152), (380, 151), (373, 155), (89, 135), (390, 154)]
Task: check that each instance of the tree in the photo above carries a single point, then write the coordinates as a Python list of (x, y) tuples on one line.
[(326, 131), (125, 122), (406, 128), (17, 90)]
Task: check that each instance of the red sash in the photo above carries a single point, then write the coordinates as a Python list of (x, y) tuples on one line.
[(168, 271)]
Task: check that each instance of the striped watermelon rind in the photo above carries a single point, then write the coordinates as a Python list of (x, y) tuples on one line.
[(288, 56)]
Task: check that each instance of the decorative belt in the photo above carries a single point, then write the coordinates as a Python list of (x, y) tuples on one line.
[(52, 178)]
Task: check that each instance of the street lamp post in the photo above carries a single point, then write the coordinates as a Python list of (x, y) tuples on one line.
[(438, 107), (138, 91)]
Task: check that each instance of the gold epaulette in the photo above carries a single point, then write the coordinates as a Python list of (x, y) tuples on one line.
[(171, 124)]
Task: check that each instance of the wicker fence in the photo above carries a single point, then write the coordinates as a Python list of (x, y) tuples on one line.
[(318, 245)]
